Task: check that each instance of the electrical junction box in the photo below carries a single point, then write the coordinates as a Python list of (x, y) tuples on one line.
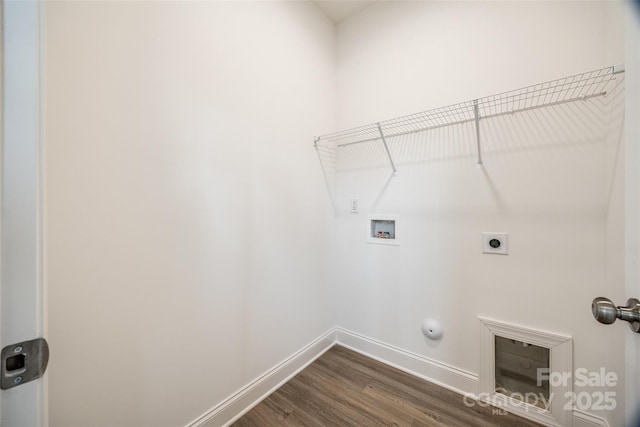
[(354, 205), (495, 243)]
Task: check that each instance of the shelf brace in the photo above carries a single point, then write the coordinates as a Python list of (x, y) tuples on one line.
[(477, 119), (384, 142)]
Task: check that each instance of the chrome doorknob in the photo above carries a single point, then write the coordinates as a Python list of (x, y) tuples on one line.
[(606, 312)]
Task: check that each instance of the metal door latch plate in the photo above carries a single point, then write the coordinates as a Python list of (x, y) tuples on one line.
[(23, 362)]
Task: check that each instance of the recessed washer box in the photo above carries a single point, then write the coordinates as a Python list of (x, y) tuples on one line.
[(383, 229), (495, 243)]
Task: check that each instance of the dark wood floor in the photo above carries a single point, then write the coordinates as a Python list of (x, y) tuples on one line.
[(344, 388)]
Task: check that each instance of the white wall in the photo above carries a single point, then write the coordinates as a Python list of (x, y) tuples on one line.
[(401, 57), (189, 226), (186, 214), (552, 178)]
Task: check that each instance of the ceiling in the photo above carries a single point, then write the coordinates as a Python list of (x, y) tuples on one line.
[(339, 10)]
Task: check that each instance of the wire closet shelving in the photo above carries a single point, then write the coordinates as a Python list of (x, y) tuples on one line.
[(579, 87)]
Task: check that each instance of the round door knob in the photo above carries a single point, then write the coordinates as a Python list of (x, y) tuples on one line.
[(604, 310)]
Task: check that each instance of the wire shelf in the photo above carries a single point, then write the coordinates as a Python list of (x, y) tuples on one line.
[(568, 89)]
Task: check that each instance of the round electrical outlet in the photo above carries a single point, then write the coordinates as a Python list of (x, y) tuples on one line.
[(495, 243)]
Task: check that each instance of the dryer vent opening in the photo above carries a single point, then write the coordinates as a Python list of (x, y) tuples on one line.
[(517, 371)]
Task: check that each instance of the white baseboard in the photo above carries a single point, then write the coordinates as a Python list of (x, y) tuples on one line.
[(583, 419), (447, 376), (439, 373), (253, 393)]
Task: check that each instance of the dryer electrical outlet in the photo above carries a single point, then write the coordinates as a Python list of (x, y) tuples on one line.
[(495, 243)]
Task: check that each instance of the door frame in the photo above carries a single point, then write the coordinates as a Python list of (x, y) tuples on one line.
[(632, 203), (22, 291)]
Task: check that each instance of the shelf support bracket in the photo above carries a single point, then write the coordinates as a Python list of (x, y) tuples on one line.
[(477, 119), (384, 142)]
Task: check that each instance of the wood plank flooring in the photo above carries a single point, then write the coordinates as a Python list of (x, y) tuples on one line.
[(345, 388)]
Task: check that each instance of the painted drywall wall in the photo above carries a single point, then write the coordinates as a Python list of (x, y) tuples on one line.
[(187, 221), (395, 58), (552, 177)]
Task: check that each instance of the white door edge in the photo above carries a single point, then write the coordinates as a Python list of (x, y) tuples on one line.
[(632, 199)]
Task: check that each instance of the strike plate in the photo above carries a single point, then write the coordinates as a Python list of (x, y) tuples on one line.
[(23, 362)]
